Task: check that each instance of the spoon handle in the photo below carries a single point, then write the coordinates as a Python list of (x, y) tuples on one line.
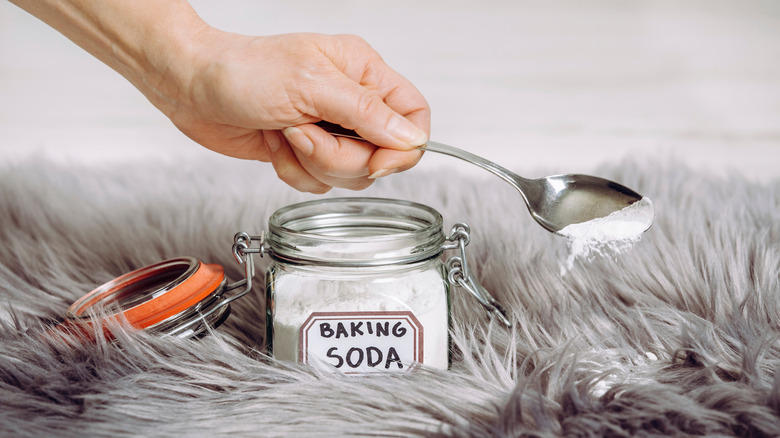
[(501, 172), (516, 180)]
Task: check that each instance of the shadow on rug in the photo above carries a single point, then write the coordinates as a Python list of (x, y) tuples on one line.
[(678, 337)]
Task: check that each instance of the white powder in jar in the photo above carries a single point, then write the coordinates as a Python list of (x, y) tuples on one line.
[(298, 294), (609, 235)]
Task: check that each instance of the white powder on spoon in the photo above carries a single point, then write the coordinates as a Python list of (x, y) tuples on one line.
[(608, 235)]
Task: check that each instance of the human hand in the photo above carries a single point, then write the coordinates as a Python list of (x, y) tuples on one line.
[(236, 94), (258, 97)]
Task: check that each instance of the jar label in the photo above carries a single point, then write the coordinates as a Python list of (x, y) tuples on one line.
[(362, 342)]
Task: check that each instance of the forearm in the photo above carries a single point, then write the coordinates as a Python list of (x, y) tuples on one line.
[(143, 40)]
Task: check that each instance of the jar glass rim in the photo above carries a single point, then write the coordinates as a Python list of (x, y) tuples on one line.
[(355, 231)]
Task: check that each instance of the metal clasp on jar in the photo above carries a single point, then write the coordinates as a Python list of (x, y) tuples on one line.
[(243, 253), (459, 275)]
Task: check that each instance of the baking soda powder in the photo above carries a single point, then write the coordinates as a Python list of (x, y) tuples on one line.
[(608, 235), (364, 323)]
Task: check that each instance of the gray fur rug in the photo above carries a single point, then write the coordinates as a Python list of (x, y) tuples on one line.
[(678, 337)]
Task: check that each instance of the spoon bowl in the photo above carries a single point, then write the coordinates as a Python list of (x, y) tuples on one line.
[(558, 201)]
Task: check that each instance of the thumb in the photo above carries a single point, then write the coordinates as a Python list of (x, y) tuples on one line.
[(349, 104)]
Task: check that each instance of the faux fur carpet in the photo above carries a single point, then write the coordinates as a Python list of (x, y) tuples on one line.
[(678, 337)]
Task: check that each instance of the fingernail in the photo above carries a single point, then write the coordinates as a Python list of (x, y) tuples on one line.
[(299, 140), (382, 172), (405, 131)]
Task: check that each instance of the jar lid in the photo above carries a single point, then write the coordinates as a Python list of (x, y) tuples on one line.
[(168, 297)]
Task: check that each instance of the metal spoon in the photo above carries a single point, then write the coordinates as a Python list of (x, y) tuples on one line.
[(555, 202)]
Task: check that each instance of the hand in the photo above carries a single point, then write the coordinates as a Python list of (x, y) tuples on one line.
[(236, 94), (257, 97)]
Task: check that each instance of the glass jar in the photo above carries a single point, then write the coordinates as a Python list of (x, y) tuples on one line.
[(359, 285)]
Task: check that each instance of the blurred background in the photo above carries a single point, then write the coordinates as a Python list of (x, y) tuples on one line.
[(555, 86)]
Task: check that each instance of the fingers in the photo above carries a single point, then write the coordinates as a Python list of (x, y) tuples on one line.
[(343, 162), (388, 161), (374, 100), (337, 162), (400, 95), (352, 106), (289, 169)]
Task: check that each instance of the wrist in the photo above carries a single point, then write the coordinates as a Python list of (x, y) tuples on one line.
[(166, 55)]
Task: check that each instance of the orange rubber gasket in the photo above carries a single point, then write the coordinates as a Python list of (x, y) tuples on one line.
[(200, 284)]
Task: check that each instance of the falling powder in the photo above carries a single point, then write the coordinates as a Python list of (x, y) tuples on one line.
[(608, 235)]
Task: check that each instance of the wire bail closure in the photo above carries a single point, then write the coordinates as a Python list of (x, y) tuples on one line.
[(243, 253), (459, 275)]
